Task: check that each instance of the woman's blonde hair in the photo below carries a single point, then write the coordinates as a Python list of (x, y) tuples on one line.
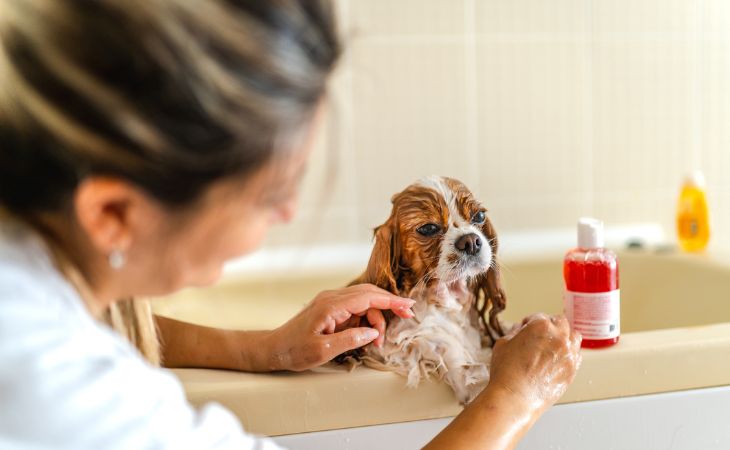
[(171, 95)]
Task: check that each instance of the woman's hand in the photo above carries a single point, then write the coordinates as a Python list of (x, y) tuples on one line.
[(330, 325), (531, 369), (538, 362)]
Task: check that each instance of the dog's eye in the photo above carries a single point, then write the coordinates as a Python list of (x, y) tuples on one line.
[(429, 229), (479, 217)]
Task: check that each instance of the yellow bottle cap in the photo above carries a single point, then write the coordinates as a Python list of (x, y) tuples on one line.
[(695, 179)]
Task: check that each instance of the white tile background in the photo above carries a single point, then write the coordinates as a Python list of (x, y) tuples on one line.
[(548, 110)]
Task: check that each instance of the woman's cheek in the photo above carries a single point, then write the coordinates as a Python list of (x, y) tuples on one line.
[(212, 275), (249, 235), (257, 235), (252, 234)]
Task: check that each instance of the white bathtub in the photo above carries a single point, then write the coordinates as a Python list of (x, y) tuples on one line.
[(687, 420), (663, 386)]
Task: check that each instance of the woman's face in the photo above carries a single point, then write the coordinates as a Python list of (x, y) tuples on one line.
[(170, 250), (232, 220)]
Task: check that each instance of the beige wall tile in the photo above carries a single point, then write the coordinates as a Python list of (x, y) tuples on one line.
[(643, 16), (715, 129), (328, 176), (715, 17), (408, 114), (642, 115), (639, 206), (316, 226), (533, 123), (715, 112), (719, 204), (326, 209), (406, 17), (531, 16), (643, 130), (537, 212), (548, 110)]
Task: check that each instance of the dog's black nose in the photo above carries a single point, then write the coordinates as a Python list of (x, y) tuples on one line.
[(469, 244)]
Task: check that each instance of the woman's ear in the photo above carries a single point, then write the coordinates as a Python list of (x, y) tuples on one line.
[(384, 263), (487, 288), (102, 207)]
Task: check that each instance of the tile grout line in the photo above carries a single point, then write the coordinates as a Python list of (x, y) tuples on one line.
[(696, 90), (517, 37), (589, 169), (346, 139), (471, 90)]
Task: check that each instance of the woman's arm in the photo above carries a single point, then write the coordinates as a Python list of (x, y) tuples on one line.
[(529, 373), (327, 327), (189, 345), (493, 421)]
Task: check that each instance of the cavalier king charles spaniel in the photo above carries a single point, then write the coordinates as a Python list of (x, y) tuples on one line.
[(439, 248)]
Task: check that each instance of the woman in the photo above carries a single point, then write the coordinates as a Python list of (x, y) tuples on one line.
[(142, 144)]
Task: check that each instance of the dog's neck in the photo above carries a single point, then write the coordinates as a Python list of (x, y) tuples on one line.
[(454, 295)]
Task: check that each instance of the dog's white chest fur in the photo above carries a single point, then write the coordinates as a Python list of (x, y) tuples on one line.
[(442, 341)]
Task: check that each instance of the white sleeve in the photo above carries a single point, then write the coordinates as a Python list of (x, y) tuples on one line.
[(86, 390)]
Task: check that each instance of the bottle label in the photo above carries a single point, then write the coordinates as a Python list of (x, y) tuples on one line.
[(595, 315)]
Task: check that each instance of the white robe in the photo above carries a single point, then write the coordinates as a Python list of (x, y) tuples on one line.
[(67, 381)]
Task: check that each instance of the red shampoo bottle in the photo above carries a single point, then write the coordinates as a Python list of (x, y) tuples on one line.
[(592, 300)]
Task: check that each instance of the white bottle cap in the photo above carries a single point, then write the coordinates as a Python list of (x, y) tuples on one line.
[(590, 233), (695, 179)]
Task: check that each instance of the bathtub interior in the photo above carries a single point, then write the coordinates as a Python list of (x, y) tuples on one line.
[(674, 309), (658, 291)]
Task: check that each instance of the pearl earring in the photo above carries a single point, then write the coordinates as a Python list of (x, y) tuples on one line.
[(117, 259)]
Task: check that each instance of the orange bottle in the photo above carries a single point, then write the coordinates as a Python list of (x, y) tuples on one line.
[(693, 222)]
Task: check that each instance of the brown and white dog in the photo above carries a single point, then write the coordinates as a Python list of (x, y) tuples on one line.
[(439, 248)]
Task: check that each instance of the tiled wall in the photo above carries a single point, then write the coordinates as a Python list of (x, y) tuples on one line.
[(548, 110)]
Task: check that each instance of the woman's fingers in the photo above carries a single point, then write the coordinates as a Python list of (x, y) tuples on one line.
[(377, 321), (331, 324), (352, 338), (352, 322), (364, 297), (534, 317), (357, 300), (543, 349), (576, 339)]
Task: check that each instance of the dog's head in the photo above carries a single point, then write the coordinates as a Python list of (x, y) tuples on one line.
[(438, 231)]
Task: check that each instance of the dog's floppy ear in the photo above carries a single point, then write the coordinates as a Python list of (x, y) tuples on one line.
[(382, 271), (384, 263), (488, 290)]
